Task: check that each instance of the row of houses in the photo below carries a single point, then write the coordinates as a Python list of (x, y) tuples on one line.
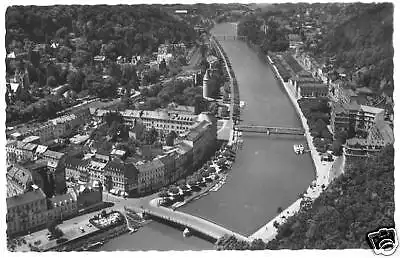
[(346, 112), (53, 128), (175, 118), (304, 85), (33, 210), (131, 177)]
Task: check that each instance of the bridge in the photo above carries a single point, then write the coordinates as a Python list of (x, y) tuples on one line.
[(269, 129), (229, 37), (194, 223)]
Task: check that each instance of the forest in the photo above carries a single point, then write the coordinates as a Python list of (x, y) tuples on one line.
[(364, 42), (274, 39), (82, 32)]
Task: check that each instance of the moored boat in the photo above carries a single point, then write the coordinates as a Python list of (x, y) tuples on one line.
[(186, 232)]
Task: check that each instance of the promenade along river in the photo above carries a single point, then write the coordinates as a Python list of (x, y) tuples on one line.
[(266, 175)]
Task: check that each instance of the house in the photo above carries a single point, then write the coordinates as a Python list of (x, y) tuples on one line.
[(63, 206), (353, 116), (121, 177), (151, 175), (76, 168), (20, 179), (202, 137), (312, 90), (26, 212), (168, 159), (88, 195)]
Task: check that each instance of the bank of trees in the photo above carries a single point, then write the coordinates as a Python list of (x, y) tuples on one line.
[(364, 41), (81, 33), (274, 38)]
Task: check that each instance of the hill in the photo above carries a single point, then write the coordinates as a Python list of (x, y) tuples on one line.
[(358, 202), (364, 41)]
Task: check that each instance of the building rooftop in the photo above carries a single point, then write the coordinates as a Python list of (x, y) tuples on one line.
[(313, 85), (29, 146), (150, 165), (28, 197), (19, 174), (194, 133), (372, 110), (53, 154), (59, 200), (31, 138)]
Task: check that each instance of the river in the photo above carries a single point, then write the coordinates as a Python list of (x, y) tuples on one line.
[(266, 175)]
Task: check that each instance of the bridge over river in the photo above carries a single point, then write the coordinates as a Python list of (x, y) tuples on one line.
[(269, 129), (194, 223)]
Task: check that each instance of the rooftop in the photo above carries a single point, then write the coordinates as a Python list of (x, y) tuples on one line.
[(194, 132), (53, 154), (28, 197)]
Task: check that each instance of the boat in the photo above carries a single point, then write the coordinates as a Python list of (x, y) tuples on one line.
[(186, 232), (133, 231), (296, 148), (301, 149), (95, 245)]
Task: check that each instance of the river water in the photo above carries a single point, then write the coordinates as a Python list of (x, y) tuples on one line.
[(266, 175)]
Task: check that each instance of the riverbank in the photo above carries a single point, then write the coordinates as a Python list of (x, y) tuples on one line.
[(323, 170)]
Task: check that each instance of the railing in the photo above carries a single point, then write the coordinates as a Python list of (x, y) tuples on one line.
[(230, 37), (269, 129), (198, 224)]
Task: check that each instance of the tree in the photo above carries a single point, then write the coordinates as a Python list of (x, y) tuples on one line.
[(75, 80), (51, 81), (170, 138), (151, 136)]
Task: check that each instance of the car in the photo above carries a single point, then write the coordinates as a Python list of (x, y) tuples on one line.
[(51, 237)]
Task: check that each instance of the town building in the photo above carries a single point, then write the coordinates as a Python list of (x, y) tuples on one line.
[(26, 212), (379, 135), (151, 175), (353, 116), (63, 207), (312, 90), (20, 179), (183, 161), (76, 168), (121, 178), (161, 120), (168, 159), (202, 137), (88, 195), (11, 156)]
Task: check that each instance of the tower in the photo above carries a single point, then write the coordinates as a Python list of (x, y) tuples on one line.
[(205, 85)]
